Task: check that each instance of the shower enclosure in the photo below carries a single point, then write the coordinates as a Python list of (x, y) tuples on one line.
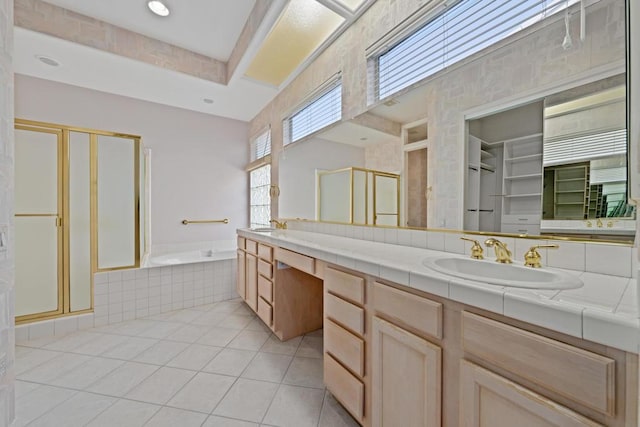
[(78, 211), (359, 196)]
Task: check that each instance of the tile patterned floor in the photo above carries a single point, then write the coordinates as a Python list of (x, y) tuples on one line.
[(214, 365)]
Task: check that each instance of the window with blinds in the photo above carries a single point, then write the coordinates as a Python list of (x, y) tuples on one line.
[(577, 148), (261, 145), (260, 202), (462, 29), (321, 111)]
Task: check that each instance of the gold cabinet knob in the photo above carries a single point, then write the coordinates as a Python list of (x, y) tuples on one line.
[(476, 248), (532, 258)]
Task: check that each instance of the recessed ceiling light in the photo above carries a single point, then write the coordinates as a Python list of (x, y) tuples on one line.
[(48, 60), (158, 8), (207, 100)]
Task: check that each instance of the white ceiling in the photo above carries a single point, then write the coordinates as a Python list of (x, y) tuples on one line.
[(95, 69), (208, 27), (354, 134)]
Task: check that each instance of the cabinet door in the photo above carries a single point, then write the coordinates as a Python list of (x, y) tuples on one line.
[(489, 400), (251, 296), (241, 277), (406, 375)]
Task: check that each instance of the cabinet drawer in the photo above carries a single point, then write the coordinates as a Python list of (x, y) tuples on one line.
[(346, 388), (265, 289), (265, 268), (296, 260), (412, 310), (345, 285), (520, 228), (521, 219), (265, 252), (349, 315), (241, 241), (251, 246), (265, 311), (344, 346), (577, 374)]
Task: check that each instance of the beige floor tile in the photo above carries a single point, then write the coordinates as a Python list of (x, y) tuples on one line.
[(102, 345), (123, 379), (249, 340), (194, 357), (215, 421), (334, 415), (172, 417), (274, 345), (310, 347), (202, 393), (160, 330), (267, 367), (161, 353), (125, 413), (305, 372), (40, 401), (76, 411), (247, 400), (235, 321), (51, 369), (130, 348), (32, 359), (295, 407), (188, 333), (230, 362), (160, 386), (86, 374), (219, 337)]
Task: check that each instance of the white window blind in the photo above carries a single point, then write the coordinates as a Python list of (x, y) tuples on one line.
[(573, 149), (321, 111), (261, 145), (466, 27)]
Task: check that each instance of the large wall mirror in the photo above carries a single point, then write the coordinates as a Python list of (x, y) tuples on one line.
[(525, 137)]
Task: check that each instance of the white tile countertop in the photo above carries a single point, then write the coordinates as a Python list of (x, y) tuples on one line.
[(605, 310)]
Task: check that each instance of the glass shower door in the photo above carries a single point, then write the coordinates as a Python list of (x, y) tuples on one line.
[(38, 222)]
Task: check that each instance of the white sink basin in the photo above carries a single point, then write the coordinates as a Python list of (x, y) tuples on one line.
[(263, 229), (513, 275)]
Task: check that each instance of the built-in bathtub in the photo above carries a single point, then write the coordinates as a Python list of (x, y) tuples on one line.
[(190, 257), (175, 277)]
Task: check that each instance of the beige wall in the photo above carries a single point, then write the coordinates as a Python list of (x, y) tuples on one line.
[(197, 160), (517, 68), (7, 375)]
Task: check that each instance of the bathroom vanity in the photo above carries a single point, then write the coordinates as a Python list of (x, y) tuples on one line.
[(408, 346)]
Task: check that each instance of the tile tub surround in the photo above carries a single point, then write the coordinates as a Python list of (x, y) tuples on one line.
[(189, 367), (605, 310), (136, 293)]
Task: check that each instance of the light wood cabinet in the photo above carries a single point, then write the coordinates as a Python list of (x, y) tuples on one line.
[(395, 356), (251, 296), (407, 375), (241, 278), (490, 400)]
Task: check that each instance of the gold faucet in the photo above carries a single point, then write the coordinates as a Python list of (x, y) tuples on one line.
[(599, 222), (588, 223), (503, 255), (476, 249), (279, 225), (532, 257)]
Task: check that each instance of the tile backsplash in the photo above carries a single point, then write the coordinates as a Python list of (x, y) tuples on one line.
[(611, 259)]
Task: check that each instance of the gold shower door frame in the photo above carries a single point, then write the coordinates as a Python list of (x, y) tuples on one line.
[(64, 237)]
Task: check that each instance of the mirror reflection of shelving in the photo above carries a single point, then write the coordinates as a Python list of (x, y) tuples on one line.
[(522, 187), (484, 170)]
